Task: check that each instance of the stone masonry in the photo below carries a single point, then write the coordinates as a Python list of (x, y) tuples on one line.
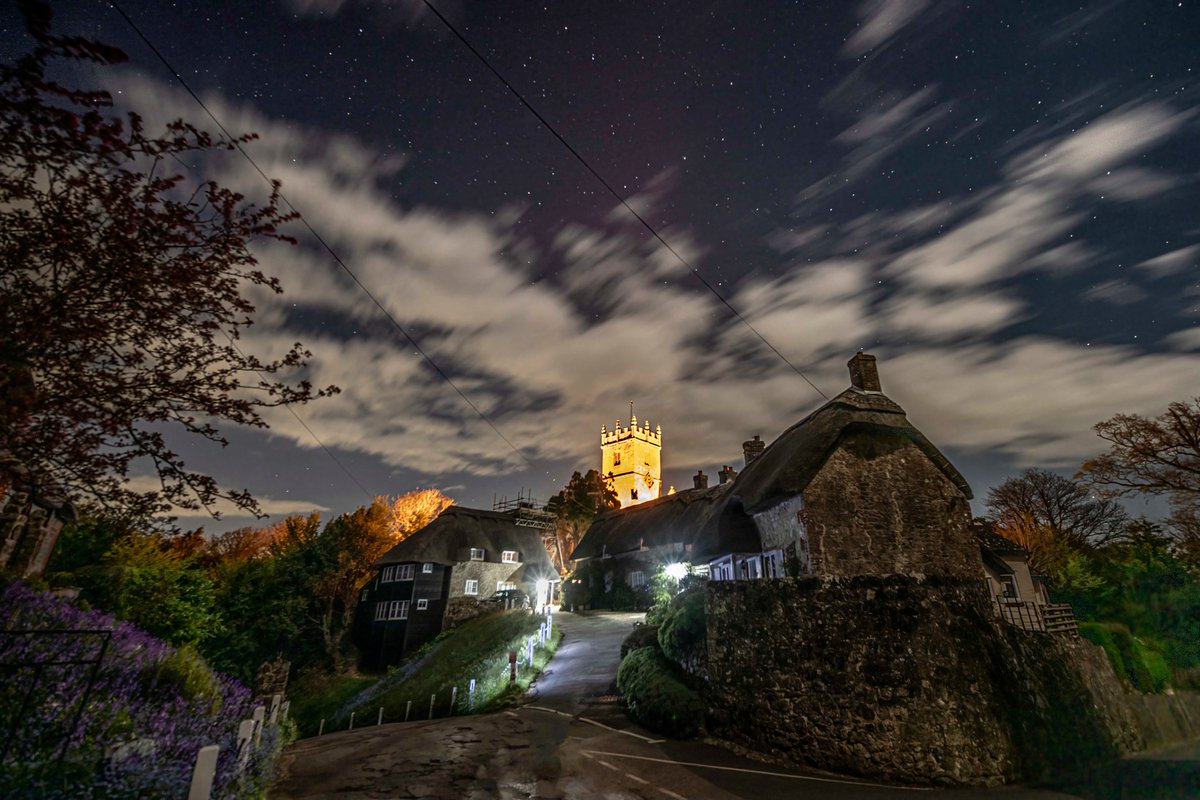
[(904, 679)]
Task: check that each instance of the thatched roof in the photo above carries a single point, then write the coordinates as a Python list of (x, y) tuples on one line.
[(997, 543), (698, 521), (449, 538), (791, 461)]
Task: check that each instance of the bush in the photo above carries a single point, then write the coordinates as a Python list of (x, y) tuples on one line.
[(656, 697), (1134, 661), (149, 711), (684, 630), (642, 636)]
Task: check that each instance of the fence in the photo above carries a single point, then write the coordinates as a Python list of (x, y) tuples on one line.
[(24, 664), (1029, 616), (451, 700)]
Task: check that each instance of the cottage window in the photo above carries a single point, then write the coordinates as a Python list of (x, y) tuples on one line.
[(380, 611), (1008, 587), (364, 595), (422, 605), (502, 585), (398, 609), (404, 572), (477, 554), (633, 494), (637, 579), (616, 459), (389, 575), (509, 557), (471, 588), (427, 568)]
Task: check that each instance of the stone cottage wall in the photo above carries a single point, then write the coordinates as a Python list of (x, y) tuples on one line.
[(879, 505), (904, 679)]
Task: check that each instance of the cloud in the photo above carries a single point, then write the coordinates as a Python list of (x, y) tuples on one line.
[(1013, 225), (1116, 292), (1186, 339), (271, 506), (550, 359), (1172, 262), (879, 21)]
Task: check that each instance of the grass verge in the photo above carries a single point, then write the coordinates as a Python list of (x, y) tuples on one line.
[(477, 650)]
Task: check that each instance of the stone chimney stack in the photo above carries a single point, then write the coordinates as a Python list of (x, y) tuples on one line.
[(753, 449), (700, 480), (728, 473), (864, 375)]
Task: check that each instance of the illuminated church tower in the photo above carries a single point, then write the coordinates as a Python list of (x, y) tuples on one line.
[(633, 458)]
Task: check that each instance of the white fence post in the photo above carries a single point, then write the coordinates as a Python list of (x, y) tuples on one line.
[(283, 711), (453, 696), (471, 695), (529, 659), (259, 713), (321, 730), (203, 773), (244, 737), (407, 709), (352, 713), (431, 697), (276, 702), (380, 720)]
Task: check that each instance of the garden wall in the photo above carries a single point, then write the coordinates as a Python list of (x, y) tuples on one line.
[(905, 679)]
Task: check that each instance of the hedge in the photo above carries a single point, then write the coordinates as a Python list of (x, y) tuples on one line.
[(656, 697), (642, 636)]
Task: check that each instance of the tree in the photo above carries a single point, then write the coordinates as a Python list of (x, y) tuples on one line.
[(413, 511), (1159, 456), (574, 508), (1039, 502), (124, 293)]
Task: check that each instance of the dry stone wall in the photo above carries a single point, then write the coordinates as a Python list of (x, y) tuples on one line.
[(906, 679)]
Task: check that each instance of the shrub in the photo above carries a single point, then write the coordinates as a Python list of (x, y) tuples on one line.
[(149, 711), (642, 636), (656, 697), (682, 635), (1135, 661)]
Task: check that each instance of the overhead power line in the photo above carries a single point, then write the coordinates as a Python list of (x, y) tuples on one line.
[(324, 244), (587, 165)]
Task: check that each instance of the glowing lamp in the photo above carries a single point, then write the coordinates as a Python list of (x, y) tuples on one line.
[(676, 570)]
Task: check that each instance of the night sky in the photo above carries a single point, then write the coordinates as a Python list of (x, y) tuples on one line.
[(998, 199)]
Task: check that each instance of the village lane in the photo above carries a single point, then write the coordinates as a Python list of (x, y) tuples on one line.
[(569, 741)]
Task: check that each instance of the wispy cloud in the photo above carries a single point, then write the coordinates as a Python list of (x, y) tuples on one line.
[(879, 21)]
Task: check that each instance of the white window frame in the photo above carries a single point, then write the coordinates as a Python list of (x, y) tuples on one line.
[(637, 579), (477, 554), (502, 585), (426, 568), (509, 557), (405, 572), (388, 575), (471, 588), (422, 604), (380, 611), (397, 609)]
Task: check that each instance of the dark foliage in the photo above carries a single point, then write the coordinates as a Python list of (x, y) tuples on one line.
[(656, 697), (124, 293)]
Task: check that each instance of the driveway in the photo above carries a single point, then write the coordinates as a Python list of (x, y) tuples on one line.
[(585, 665)]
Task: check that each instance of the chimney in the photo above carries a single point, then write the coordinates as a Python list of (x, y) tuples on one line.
[(728, 473), (753, 449), (700, 480), (864, 376)]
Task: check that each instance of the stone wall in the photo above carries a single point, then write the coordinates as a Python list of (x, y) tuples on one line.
[(879, 506), (904, 679)]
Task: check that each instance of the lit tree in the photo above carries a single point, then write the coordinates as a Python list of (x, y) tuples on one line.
[(123, 293)]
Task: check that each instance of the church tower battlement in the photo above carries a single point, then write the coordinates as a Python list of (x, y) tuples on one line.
[(632, 456)]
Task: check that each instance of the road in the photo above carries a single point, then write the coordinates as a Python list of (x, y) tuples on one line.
[(569, 741)]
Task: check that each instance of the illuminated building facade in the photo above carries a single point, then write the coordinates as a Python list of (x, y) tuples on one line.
[(632, 457)]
